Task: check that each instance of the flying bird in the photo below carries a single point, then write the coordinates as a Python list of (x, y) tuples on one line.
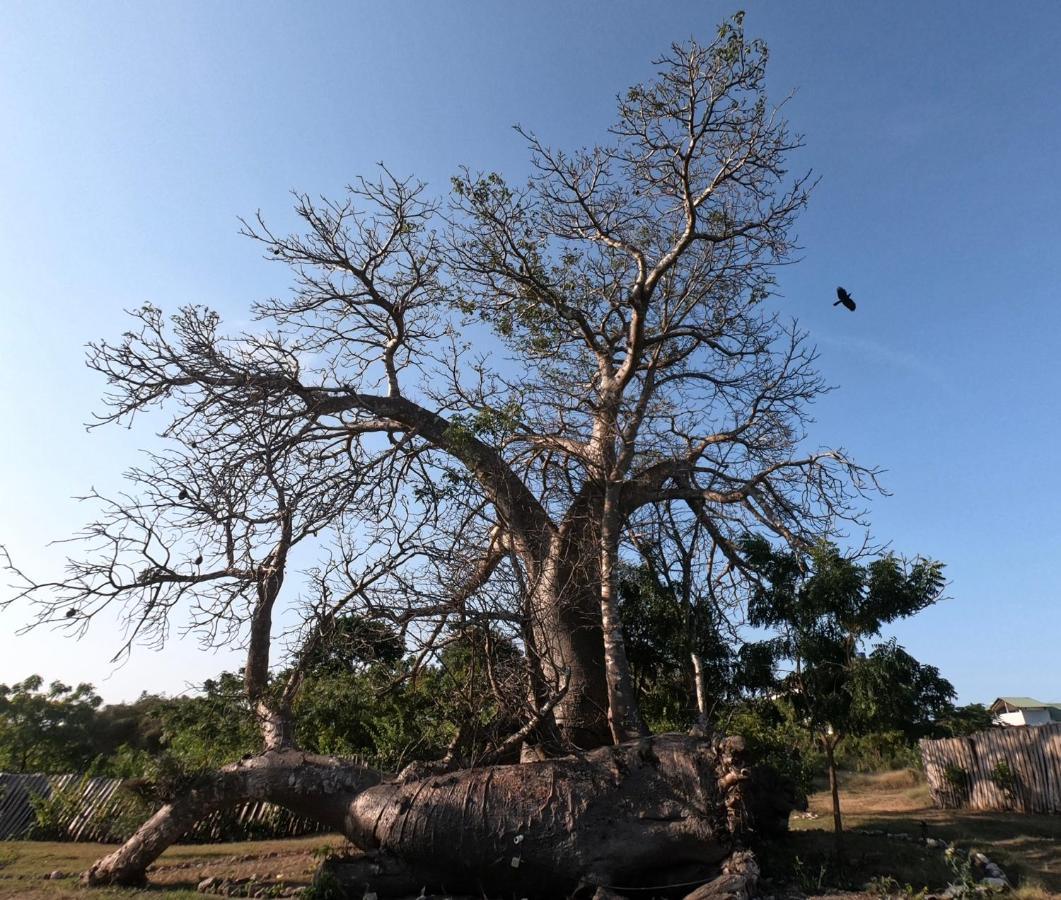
[(845, 299)]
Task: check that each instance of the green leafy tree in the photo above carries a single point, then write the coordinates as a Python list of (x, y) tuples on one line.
[(662, 633), (46, 729), (354, 643), (963, 720), (824, 608), (363, 696), (211, 728), (774, 737), (136, 726), (366, 696), (364, 715)]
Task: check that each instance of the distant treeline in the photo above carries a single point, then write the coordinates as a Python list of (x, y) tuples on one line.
[(368, 713)]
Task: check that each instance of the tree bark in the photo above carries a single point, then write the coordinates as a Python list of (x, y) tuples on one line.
[(612, 816), (624, 717), (701, 690), (625, 815), (319, 787), (566, 623), (834, 789), (277, 726)]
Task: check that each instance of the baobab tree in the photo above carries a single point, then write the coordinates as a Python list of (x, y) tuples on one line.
[(481, 395)]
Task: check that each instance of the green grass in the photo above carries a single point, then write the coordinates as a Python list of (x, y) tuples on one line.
[(25, 864)]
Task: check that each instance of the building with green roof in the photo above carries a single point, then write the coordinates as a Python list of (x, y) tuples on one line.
[(1025, 711)]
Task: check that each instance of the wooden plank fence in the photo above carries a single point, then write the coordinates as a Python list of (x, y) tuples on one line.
[(95, 809), (1016, 768)]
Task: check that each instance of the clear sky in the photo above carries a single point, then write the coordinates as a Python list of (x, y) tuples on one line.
[(135, 134)]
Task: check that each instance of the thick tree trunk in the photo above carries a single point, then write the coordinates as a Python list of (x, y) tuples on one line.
[(319, 787), (565, 606), (624, 717), (645, 812), (622, 815), (277, 726)]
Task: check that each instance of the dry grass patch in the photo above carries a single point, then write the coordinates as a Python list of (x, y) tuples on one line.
[(900, 779), (1027, 847), (25, 864)]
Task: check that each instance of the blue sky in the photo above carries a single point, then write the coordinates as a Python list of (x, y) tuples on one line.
[(135, 134)]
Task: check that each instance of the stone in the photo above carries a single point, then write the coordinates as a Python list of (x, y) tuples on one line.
[(208, 884), (54, 876), (998, 884)]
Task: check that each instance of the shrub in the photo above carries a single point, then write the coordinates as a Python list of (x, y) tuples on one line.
[(957, 778), (112, 820), (879, 751), (1004, 778), (54, 811)]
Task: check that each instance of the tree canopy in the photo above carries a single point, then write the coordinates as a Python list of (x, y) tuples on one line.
[(824, 608), (46, 729), (471, 404)]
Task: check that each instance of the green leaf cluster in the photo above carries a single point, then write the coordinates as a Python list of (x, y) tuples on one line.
[(824, 609)]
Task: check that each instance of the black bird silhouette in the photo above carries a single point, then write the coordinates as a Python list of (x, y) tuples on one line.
[(71, 612), (183, 495), (199, 560), (845, 299)]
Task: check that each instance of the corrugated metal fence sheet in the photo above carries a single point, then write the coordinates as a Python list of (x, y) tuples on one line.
[(1015, 769), (95, 809)]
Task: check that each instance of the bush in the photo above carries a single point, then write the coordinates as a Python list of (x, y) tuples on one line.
[(1004, 778), (774, 740), (880, 751), (52, 812), (957, 778), (112, 820)]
